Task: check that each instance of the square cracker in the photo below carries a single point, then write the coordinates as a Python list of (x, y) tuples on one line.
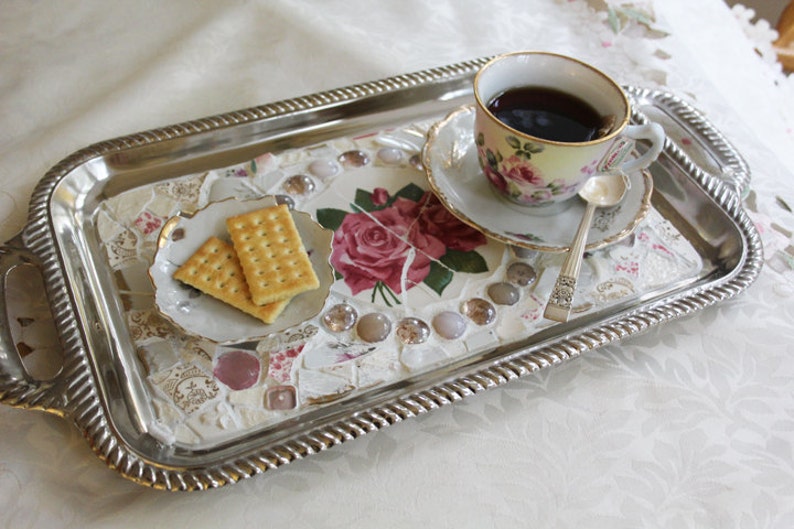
[(215, 270), (272, 254)]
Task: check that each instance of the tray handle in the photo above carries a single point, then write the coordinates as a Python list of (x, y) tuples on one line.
[(708, 149), (17, 387)]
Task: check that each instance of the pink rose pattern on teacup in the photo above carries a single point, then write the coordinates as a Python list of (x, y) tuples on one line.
[(516, 177), (399, 241)]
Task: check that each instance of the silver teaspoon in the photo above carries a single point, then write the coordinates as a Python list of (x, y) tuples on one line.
[(599, 191)]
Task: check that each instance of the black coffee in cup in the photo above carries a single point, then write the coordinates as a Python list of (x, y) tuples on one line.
[(547, 113)]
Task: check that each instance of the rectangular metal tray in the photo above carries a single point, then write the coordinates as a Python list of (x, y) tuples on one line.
[(103, 388)]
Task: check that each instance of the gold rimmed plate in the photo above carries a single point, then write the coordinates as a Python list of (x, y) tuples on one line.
[(202, 315), (454, 174)]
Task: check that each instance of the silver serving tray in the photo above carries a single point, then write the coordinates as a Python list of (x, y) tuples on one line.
[(99, 387)]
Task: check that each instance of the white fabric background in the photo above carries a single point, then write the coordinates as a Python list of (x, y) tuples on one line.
[(688, 425)]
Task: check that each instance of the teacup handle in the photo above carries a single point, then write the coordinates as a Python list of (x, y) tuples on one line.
[(652, 132)]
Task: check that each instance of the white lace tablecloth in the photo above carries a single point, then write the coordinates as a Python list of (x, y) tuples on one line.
[(688, 425)]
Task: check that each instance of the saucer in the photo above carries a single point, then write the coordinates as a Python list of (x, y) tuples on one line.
[(454, 173), (205, 316)]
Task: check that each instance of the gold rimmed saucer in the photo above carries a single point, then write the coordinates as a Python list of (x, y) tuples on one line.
[(454, 174)]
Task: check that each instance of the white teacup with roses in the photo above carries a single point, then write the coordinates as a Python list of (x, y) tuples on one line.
[(541, 174)]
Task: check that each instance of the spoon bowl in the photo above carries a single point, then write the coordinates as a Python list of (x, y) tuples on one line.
[(604, 191)]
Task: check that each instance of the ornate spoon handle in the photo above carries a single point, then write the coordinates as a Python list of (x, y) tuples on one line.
[(558, 308)]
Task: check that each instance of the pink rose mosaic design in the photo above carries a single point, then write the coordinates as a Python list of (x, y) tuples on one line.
[(394, 242)]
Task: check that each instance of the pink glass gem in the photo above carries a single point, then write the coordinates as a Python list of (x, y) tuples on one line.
[(480, 311), (352, 159), (412, 331), (237, 369), (373, 327), (449, 325), (299, 184), (280, 398)]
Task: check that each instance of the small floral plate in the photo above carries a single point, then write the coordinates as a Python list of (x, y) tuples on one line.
[(450, 159), (210, 318)]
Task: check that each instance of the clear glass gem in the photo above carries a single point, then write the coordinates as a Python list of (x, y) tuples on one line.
[(390, 155), (340, 318), (237, 369), (416, 162), (299, 184), (449, 325), (412, 331), (373, 327), (479, 310), (523, 253), (281, 398), (504, 293), (352, 159), (285, 199), (324, 168), (521, 274)]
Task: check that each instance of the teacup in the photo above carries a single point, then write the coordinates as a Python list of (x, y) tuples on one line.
[(559, 122)]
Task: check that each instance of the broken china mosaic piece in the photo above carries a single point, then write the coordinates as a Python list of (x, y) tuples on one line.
[(187, 386), (413, 286)]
